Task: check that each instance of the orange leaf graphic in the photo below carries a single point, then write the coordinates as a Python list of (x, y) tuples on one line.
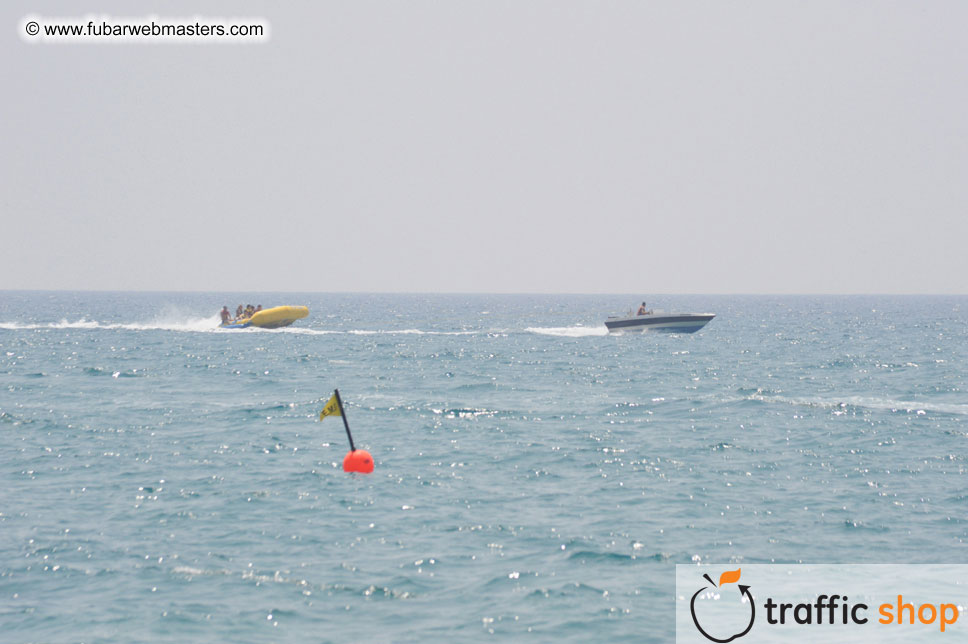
[(729, 576)]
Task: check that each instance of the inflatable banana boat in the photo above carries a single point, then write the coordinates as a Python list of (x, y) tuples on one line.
[(273, 318)]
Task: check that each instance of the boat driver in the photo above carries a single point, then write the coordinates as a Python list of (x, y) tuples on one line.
[(642, 310)]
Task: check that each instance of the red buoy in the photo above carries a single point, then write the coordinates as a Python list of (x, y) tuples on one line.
[(358, 460)]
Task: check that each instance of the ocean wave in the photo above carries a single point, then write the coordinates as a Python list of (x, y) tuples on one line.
[(294, 330), (287, 579), (861, 402), (569, 331), (211, 325), (410, 332), (567, 590), (602, 557), (307, 331), (465, 413), (129, 373), (208, 324)]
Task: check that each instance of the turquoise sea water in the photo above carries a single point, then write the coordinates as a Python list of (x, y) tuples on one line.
[(536, 478)]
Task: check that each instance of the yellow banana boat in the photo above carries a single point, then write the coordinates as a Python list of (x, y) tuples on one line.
[(277, 316)]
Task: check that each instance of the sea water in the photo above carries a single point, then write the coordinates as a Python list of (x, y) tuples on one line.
[(537, 479)]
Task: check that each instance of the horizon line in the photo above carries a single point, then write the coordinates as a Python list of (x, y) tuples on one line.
[(523, 293)]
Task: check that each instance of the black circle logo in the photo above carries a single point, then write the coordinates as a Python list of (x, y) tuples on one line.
[(725, 578)]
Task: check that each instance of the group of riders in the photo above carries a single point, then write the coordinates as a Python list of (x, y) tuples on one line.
[(240, 313)]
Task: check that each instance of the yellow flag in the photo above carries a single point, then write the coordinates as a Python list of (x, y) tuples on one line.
[(331, 408)]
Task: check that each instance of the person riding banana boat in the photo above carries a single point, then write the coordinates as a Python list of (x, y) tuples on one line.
[(272, 318)]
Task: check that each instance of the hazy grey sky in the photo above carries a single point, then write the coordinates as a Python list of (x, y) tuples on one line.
[(640, 147)]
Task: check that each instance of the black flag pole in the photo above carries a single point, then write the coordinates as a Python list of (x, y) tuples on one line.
[(342, 413)]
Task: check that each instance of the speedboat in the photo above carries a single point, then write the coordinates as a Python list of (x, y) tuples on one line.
[(277, 316), (659, 321)]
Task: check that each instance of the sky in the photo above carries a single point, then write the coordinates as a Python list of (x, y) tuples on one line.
[(521, 146)]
